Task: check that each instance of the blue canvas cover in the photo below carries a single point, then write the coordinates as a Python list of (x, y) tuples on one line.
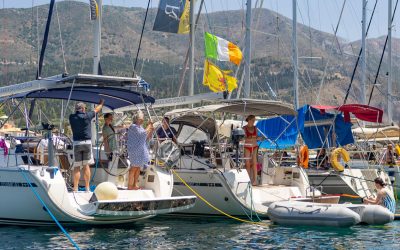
[(283, 131), (321, 136)]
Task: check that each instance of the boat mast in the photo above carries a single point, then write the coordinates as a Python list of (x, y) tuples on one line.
[(96, 58), (295, 57), (97, 39), (191, 54), (247, 52), (389, 83), (364, 49)]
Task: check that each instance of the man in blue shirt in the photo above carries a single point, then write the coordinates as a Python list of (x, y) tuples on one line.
[(166, 131), (82, 136)]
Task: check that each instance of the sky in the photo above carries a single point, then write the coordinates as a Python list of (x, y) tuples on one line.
[(319, 14)]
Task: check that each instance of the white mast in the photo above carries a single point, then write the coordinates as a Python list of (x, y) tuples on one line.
[(295, 57), (247, 51), (96, 57), (364, 49), (389, 83), (191, 54), (97, 39)]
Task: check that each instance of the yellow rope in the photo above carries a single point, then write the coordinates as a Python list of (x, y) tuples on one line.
[(214, 207)]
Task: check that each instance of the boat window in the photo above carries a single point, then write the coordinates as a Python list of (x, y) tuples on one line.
[(189, 134), (175, 126)]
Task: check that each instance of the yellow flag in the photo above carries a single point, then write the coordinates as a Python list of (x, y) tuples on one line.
[(184, 22), (216, 79)]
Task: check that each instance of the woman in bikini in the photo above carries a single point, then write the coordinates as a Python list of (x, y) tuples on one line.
[(251, 148)]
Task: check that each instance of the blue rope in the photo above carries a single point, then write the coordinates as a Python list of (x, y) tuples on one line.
[(48, 210)]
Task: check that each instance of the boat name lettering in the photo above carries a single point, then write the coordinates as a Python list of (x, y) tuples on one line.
[(16, 184), (171, 100)]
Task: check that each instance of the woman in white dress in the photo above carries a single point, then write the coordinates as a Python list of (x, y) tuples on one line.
[(138, 152)]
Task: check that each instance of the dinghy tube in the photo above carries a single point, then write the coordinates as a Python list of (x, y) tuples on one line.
[(338, 215), (287, 213)]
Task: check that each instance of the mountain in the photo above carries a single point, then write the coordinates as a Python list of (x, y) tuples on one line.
[(162, 54)]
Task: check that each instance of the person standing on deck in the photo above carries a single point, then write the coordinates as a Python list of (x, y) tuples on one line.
[(110, 146), (82, 141), (138, 152), (251, 148), (390, 158), (166, 131)]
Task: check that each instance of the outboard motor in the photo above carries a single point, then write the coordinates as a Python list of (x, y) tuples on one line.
[(237, 135), (199, 148)]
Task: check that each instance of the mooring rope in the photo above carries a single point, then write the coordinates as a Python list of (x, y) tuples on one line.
[(47, 209), (214, 207)]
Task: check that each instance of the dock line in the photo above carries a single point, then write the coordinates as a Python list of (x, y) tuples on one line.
[(48, 210)]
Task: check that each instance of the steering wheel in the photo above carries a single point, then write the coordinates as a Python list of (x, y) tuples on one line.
[(168, 153)]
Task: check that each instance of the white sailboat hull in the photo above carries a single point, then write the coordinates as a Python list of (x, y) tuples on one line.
[(231, 192), (213, 187), (29, 192)]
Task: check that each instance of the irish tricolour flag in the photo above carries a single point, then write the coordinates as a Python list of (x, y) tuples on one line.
[(220, 49)]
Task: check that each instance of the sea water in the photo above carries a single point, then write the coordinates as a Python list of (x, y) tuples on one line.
[(202, 233)]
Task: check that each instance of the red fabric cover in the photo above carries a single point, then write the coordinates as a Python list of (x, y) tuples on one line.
[(360, 111)]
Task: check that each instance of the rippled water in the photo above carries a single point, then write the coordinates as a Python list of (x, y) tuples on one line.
[(184, 233)]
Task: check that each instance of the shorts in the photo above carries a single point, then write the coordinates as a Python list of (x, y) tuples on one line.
[(83, 153)]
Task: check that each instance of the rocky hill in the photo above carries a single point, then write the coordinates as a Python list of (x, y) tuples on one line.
[(324, 61)]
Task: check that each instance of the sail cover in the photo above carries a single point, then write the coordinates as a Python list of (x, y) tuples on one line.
[(316, 129), (281, 132), (113, 97), (323, 130)]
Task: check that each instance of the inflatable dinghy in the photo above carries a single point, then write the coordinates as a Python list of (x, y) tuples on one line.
[(337, 215)]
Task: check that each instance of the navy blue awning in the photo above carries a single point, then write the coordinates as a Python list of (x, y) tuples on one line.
[(113, 97)]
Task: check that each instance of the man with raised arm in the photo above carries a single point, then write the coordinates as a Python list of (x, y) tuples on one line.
[(80, 123)]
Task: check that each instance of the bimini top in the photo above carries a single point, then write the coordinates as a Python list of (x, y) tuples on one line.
[(114, 97), (382, 132), (243, 107), (360, 111)]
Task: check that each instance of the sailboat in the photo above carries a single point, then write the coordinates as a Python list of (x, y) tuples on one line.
[(207, 165), (35, 185)]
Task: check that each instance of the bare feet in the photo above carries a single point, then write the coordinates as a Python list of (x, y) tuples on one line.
[(136, 188)]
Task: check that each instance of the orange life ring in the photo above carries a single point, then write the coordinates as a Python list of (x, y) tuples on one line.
[(303, 156)]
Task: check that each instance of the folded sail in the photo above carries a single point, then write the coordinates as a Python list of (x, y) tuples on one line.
[(220, 49), (173, 16)]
